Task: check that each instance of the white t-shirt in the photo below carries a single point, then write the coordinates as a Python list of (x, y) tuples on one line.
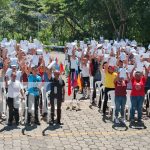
[(74, 63), (85, 70), (14, 88), (18, 74), (69, 51)]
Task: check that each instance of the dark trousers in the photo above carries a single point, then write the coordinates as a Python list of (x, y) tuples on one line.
[(13, 112), (58, 109), (94, 94), (94, 91), (100, 98), (106, 98), (72, 72), (147, 100), (36, 105)]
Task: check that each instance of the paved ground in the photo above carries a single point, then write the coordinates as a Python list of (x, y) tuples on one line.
[(85, 129)]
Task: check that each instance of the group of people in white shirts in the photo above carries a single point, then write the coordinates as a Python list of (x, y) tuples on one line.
[(119, 65), (26, 69), (27, 74)]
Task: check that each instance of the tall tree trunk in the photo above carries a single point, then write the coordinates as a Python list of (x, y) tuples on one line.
[(112, 20)]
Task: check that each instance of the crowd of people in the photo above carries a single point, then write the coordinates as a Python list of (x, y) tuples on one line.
[(29, 75), (121, 66)]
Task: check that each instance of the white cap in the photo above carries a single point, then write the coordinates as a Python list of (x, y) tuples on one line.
[(39, 51)]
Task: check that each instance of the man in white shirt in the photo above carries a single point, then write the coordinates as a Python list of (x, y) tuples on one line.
[(14, 89)]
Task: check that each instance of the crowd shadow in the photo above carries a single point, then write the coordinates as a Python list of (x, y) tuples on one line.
[(28, 128), (9, 128), (51, 128)]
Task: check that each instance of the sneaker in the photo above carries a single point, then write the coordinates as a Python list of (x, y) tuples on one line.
[(132, 122), (123, 120), (59, 123), (140, 122), (117, 121)]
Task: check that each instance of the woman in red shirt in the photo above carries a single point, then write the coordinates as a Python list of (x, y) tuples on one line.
[(137, 93)]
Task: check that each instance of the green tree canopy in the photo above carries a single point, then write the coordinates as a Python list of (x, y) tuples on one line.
[(66, 20)]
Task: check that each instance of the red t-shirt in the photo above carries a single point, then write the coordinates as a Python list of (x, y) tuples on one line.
[(120, 88), (138, 88)]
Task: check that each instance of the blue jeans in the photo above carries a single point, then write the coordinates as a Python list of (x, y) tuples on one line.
[(136, 104), (120, 102)]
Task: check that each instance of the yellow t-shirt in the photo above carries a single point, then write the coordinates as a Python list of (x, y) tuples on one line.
[(109, 79)]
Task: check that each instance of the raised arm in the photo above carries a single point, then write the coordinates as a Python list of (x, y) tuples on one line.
[(131, 74), (28, 69), (146, 72), (106, 66)]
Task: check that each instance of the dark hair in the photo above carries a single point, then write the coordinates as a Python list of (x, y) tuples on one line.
[(138, 73), (105, 62)]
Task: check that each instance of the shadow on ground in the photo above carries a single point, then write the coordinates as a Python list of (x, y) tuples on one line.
[(51, 128)]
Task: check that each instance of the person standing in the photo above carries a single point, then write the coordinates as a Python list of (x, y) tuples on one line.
[(137, 94), (47, 88), (110, 76), (57, 93), (96, 73), (85, 74), (34, 81), (120, 97), (14, 89)]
